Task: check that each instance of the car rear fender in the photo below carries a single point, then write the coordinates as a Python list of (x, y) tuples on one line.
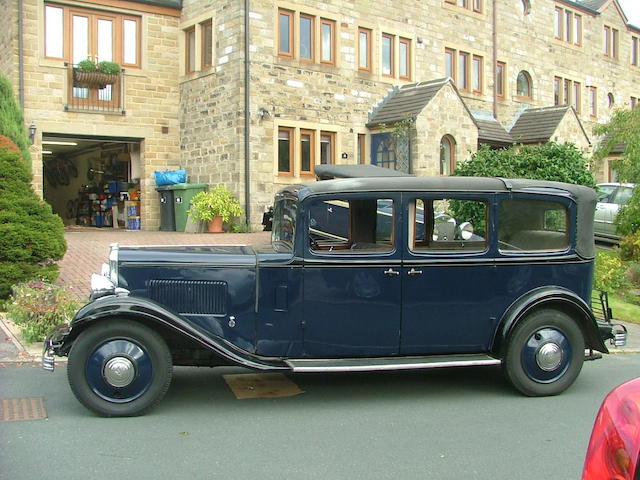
[(157, 317), (555, 298)]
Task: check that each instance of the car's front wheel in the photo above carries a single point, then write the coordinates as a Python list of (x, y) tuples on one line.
[(119, 368), (544, 354)]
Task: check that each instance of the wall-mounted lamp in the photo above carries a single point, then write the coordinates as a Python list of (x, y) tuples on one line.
[(32, 132), (264, 113)]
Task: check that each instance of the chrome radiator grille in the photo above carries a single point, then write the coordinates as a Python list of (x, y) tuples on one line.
[(191, 296)]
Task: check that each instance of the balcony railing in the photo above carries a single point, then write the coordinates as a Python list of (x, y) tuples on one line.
[(94, 92)]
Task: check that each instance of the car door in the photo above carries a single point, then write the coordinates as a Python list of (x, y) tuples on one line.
[(352, 282), (606, 210), (447, 277)]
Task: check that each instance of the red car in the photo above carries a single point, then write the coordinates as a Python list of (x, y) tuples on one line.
[(614, 448)]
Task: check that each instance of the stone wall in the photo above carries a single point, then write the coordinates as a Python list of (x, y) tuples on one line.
[(9, 46)]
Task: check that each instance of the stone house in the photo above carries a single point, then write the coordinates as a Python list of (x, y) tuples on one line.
[(252, 94)]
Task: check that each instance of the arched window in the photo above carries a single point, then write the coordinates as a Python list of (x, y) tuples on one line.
[(526, 6), (447, 155), (611, 100), (524, 87)]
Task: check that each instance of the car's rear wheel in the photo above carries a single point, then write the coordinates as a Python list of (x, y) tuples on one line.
[(119, 368), (544, 353)]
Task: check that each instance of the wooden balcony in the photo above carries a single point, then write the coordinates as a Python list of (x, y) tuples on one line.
[(94, 92)]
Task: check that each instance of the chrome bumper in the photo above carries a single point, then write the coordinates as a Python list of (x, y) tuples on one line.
[(52, 345)]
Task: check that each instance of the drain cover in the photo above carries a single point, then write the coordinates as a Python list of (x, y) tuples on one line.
[(18, 409)]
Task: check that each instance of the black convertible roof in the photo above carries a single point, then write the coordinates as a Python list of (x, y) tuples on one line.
[(584, 197)]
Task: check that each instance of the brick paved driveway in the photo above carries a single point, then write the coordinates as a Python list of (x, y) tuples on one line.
[(88, 249)]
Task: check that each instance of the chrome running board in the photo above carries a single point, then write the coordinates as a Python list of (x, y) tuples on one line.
[(303, 365)]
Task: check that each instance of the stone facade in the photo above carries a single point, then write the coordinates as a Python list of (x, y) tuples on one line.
[(203, 111)]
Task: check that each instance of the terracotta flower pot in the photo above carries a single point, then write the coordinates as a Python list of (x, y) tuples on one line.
[(215, 225)]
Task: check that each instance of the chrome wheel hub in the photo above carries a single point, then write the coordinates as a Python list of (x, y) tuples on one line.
[(549, 356), (119, 372)]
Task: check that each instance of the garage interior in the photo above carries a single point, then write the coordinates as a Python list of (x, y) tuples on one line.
[(93, 181)]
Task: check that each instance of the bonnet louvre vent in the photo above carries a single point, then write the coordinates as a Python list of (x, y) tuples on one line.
[(191, 296)]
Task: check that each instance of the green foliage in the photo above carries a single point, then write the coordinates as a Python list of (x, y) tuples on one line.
[(102, 67), (622, 128), (31, 236), (628, 218), (37, 307), (12, 120), (630, 247), (552, 161), (217, 202), (610, 273)]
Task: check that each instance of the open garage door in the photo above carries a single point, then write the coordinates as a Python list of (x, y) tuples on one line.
[(93, 181)]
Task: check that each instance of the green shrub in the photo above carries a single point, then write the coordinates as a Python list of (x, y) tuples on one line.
[(37, 307), (108, 67), (630, 247), (610, 273), (31, 236), (628, 218), (12, 120)]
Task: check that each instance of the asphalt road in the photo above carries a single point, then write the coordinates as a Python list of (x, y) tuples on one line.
[(446, 424)]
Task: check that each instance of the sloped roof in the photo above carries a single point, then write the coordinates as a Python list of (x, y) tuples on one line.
[(537, 125), (406, 102), (162, 3), (490, 131), (592, 4)]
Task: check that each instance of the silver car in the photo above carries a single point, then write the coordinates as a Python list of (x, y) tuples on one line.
[(611, 196)]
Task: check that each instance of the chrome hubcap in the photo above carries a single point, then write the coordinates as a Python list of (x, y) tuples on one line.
[(119, 372), (549, 356)]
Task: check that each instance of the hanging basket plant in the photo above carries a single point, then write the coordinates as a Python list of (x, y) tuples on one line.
[(95, 75)]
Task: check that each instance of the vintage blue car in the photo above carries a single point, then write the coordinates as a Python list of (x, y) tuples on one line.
[(362, 274)]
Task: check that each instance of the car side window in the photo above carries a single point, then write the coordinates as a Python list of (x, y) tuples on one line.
[(605, 193), (623, 195), (445, 224), (532, 225), (355, 225)]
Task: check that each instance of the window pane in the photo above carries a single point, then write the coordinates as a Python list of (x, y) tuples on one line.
[(404, 59), (80, 38), (387, 46), (284, 151), (207, 44), (130, 42), (500, 79), (567, 91), (191, 50), (285, 30), (448, 64), (477, 74), (523, 87), (105, 40), (568, 26), (306, 35), (447, 224), (327, 42), (326, 149), (577, 29), (556, 91), (54, 32), (305, 151), (463, 62), (363, 50), (614, 43), (532, 225), (558, 23)]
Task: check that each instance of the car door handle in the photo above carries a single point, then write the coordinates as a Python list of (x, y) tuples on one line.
[(413, 271), (391, 271)]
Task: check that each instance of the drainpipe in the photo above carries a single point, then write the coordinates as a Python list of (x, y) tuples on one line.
[(20, 55), (247, 117), (494, 27)]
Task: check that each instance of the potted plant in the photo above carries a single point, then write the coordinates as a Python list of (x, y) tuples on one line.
[(215, 206), (96, 75)]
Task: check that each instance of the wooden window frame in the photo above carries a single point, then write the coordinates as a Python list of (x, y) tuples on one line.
[(312, 150), (391, 38), (292, 42), (615, 43), (92, 15), (206, 63), (593, 102), (568, 26), (576, 95), (557, 87), (332, 142), (566, 90), (407, 42), (558, 23), (606, 41), (187, 50), (332, 50), (464, 84), (312, 38), (362, 150), (529, 82), (452, 160), (454, 61), (635, 50), (291, 132), (577, 29), (369, 35), (611, 100), (477, 5), (480, 71), (503, 84)]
